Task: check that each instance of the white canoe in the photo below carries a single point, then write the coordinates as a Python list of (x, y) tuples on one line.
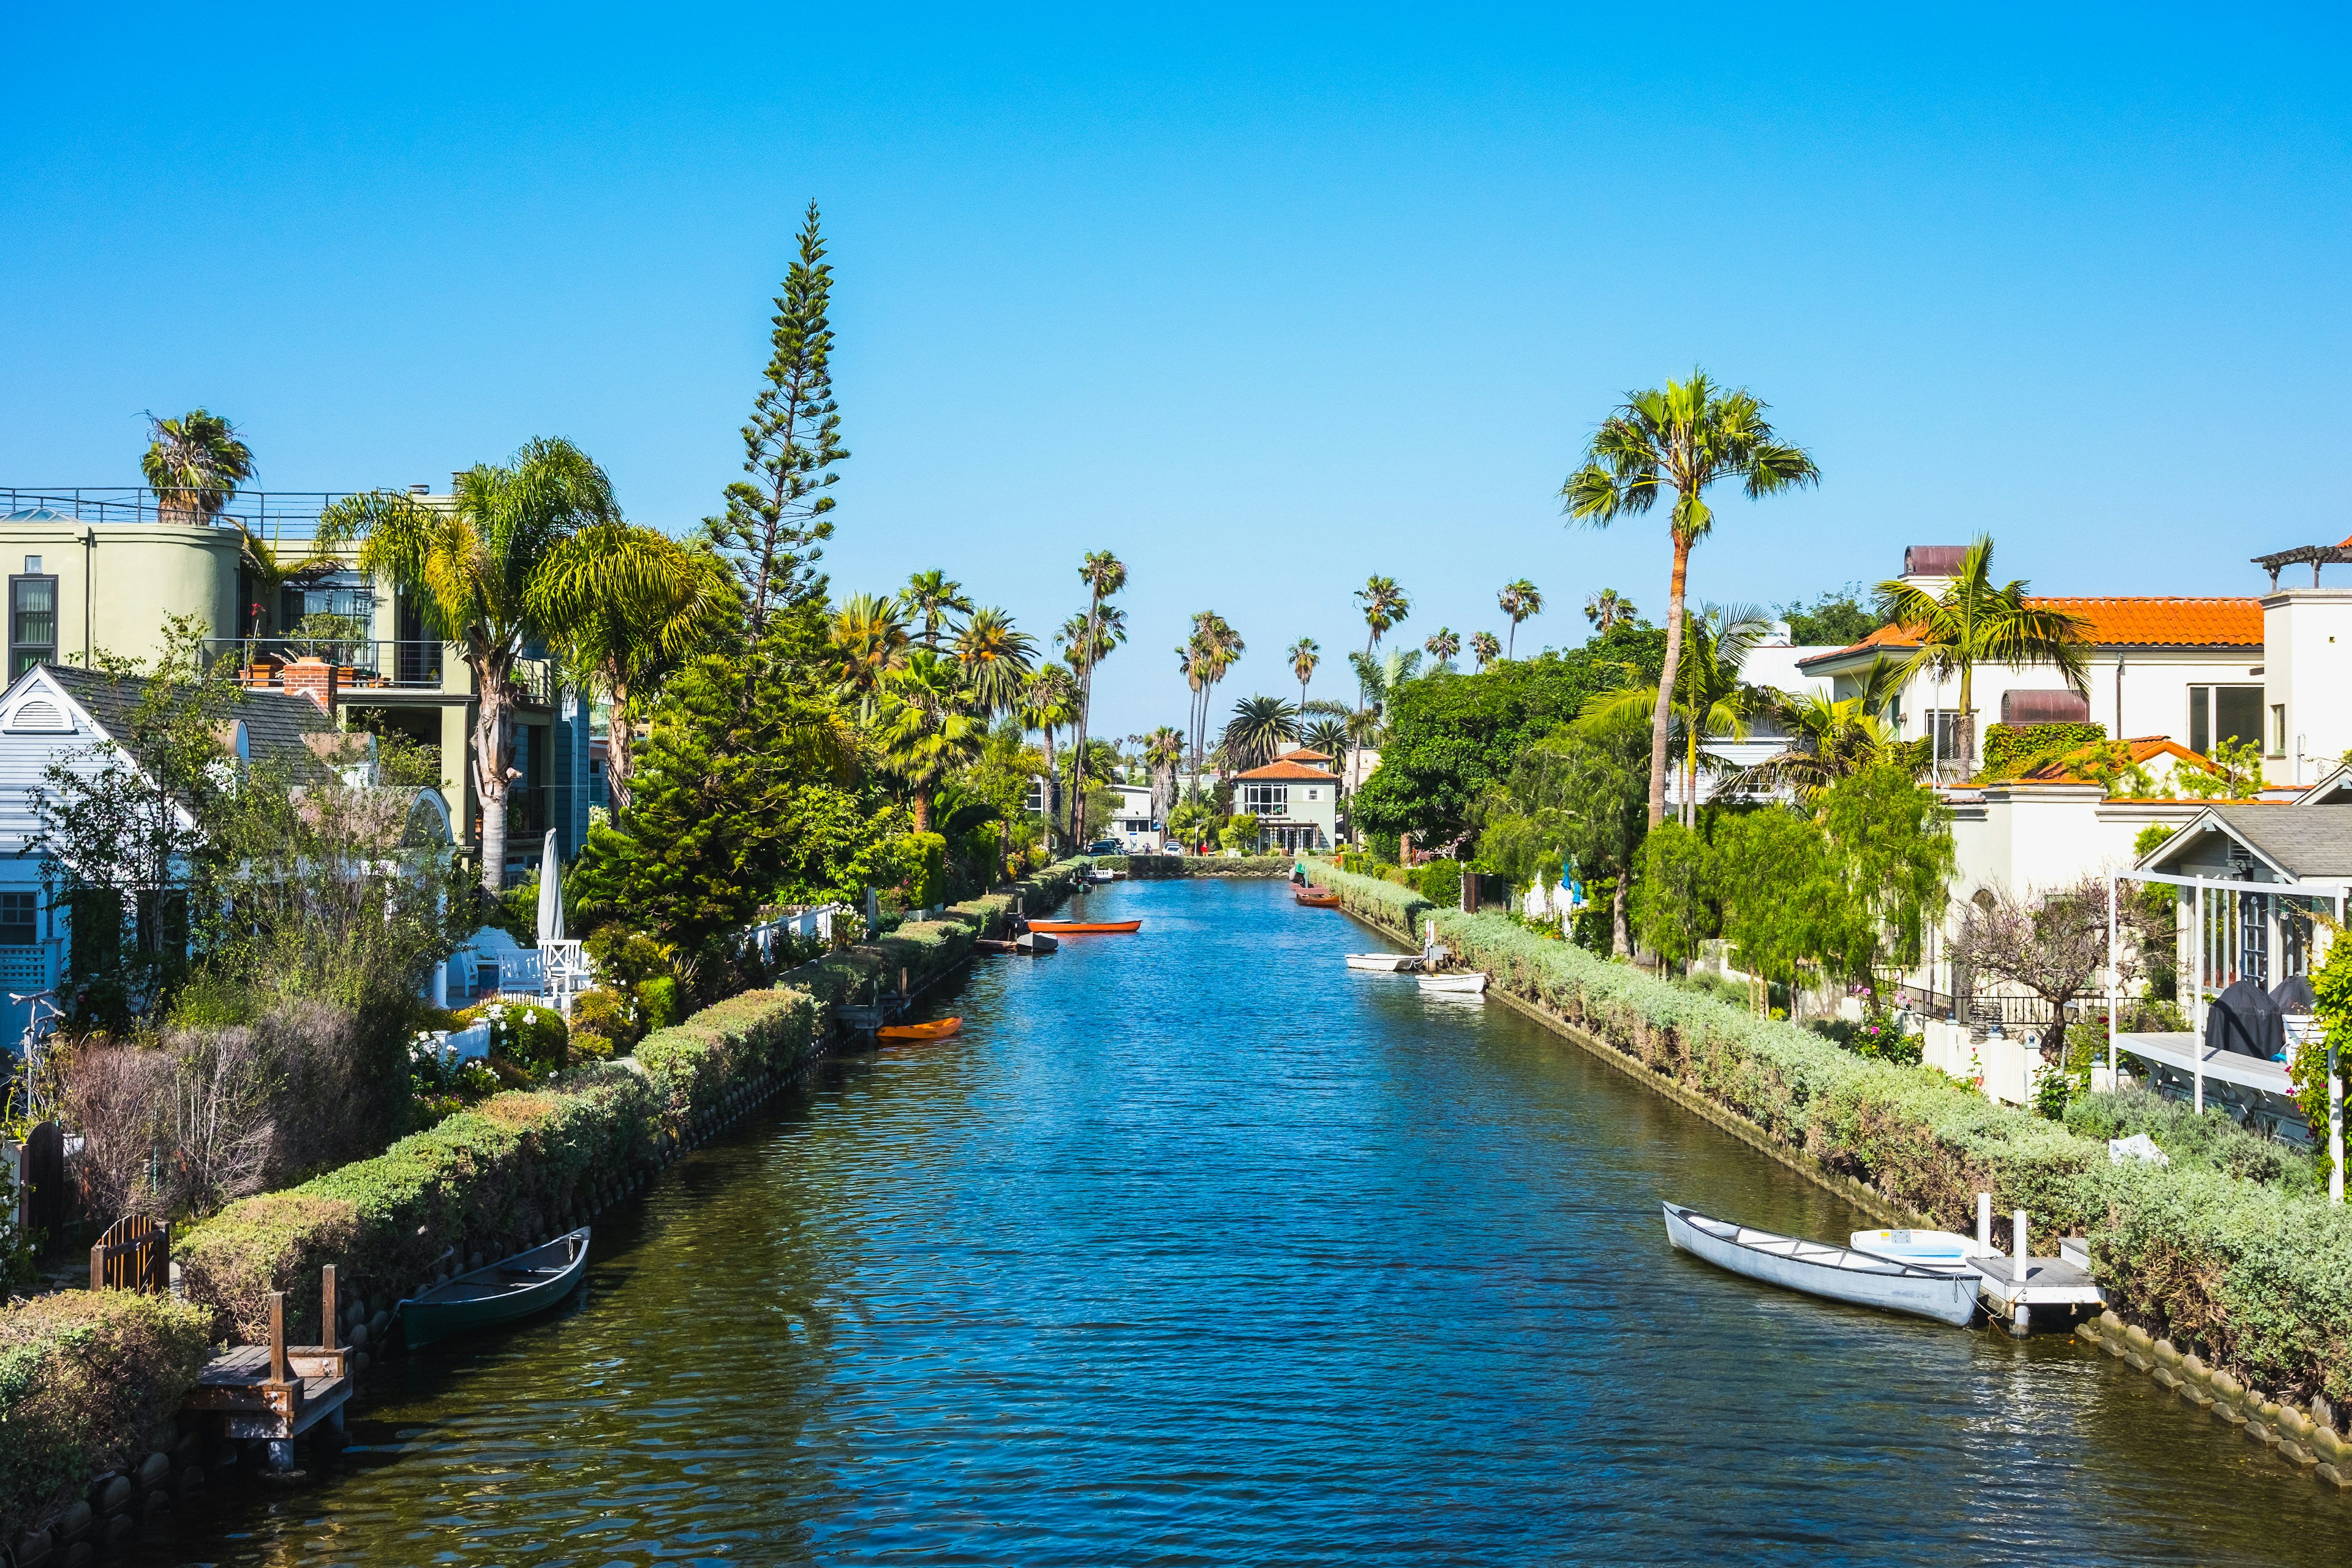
[(1384, 962), (1947, 1293), (1471, 984), (1943, 1247)]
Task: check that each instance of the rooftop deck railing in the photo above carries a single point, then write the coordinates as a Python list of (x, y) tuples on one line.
[(274, 516)]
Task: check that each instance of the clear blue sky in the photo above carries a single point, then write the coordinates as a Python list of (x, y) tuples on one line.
[(1263, 301)]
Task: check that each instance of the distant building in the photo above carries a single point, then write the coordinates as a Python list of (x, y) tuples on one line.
[(1296, 799)]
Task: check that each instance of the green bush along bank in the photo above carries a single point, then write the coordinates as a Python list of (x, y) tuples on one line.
[(1150, 868), (2254, 1278)]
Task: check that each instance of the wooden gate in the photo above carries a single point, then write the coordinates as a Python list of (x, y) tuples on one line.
[(135, 1254), (46, 1199)]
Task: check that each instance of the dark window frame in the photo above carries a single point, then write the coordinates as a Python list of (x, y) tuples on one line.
[(17, 648)]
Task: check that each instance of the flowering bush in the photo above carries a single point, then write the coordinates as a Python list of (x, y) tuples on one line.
[(532, 1036)]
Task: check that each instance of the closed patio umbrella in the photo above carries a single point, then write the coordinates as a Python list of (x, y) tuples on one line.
[(550, 893)]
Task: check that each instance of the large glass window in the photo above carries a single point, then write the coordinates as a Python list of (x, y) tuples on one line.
[(1266, 800), (32, 622), (2219, 713)]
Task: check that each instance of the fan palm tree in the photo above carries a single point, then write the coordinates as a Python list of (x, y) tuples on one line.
[(869, 642), (1104, 576), (472, 564), (1212, 650), (930, 597), (1257, 730), (1303, 657), (1486, 648), (1385, 605), (1048, 703), (624, 606), (1609, 609), (997, 659), (1691, 435), (194, 464), (1975, 621), (1711, 701), (1163, 754), (1443, 647), (927, 726), (1520, 600)]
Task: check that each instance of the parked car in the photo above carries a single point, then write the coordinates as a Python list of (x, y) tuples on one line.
[(1103, 846)]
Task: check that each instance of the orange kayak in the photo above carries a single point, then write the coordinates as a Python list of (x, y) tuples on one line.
[(916, 1034), (1085, 928)]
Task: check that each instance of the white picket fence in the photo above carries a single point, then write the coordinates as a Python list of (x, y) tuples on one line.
[(802, 925)]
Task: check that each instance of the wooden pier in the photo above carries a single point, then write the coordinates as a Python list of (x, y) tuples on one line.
[(278, 1392)]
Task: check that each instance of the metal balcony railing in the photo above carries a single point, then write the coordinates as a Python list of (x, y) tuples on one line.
[(262, 661), (273, 515)]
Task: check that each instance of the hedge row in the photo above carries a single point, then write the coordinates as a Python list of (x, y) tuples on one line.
[(87, 1380), (2253, 1279)]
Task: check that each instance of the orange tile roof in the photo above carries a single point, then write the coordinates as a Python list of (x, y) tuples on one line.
[(2157, 621), (1285, 769), (2144, 749), (1303, 754)]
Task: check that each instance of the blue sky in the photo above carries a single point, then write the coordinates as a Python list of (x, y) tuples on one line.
[(1264, 302)]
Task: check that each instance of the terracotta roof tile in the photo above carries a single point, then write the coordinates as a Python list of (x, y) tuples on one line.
[(1277, 771), (2159, 621)]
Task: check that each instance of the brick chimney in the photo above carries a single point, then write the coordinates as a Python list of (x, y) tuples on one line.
[(313, 679)]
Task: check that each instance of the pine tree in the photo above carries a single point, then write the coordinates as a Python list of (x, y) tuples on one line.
[(777, 520)]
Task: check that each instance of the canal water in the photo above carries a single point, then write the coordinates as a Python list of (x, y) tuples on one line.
[(1197, 1248)]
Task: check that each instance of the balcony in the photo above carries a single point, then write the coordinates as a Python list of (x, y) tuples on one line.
[(277, 517), (260, 662)]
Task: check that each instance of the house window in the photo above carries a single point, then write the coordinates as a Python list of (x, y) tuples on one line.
[(1943, 731), (32, 621), (2220, 713), (20, 924), (1266, 800), (598, 793), (2278, 729)]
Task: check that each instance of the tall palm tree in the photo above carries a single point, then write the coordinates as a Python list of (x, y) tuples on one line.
[(1048, 703), (1257, 730), (1104, 576), (1163, 754), (472, 565), (1975, 621), (1212, 650), (1687, 437), (997, 659), (1609, 609), (1443, 646), (1326, 735), (1711, 701), (624, 606), (1486, 648), (1520, 600), (869, 642), (930, 597), (194, 464), (927, 726), (1303, 657), (1384, 605)]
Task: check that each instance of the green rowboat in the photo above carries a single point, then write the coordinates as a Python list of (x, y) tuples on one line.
[(508, 1289)]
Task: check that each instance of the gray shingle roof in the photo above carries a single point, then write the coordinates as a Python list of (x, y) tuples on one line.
[(2308, 840), (275, 722)]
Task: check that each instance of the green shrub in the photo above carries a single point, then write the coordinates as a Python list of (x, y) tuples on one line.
[(1440, 881), (86, 1379), (533, 1037), (2012, 749)]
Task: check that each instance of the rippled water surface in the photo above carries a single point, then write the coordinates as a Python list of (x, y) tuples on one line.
[(1195, 1247)]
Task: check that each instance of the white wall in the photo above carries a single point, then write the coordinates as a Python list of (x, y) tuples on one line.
[(2307, 668)]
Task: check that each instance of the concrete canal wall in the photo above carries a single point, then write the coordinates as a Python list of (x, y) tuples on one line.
[(90, 1382), (2254, 1280)]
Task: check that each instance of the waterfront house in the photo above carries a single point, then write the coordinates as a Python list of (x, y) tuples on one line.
[(101, 570), (1296, 799)]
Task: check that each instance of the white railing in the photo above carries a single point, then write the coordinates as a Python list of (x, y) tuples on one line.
[(802, 925)]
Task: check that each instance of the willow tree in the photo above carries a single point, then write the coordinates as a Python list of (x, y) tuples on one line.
[(1684, 437), (472, 564), (1976, 621), (624, 606), (776, 522)]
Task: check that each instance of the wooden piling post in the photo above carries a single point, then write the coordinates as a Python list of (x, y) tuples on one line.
[(327, 1307), (278, 1338), (2017, 1265)]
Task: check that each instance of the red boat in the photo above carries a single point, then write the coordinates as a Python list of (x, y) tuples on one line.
[(1085, 928), (1316, 898)]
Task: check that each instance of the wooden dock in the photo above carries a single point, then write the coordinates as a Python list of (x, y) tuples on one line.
[(278, 1392), (2048, 1282)]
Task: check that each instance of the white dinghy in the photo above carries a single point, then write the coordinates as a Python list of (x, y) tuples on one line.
[(1384, 962), (1947, 1292), (1471, 984)]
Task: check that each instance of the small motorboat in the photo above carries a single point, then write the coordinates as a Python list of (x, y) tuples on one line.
[(1946, 1292), (509, 1289), (1085, 928), (1035, 944), (1472, 983), (1104, 874), (1945, 1247), (1316, 898), (918, 1034), (1384, 962)]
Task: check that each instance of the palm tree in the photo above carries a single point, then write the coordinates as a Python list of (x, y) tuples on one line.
[(1384, 605), (1212, 650), (1327, 736), (927, 727), (1609, 609), (1683, 439), (1303, 657), (1974, 622), (1259, 727), (996, 659), (1049, 701), (1710, 699), (1104, 576), (1163, 754), (930, 597), (472, 564), (869, 642), (1833, 738), (194, 464), (1520, 600), (624, 606), (1486, 648), (1443, 647)]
